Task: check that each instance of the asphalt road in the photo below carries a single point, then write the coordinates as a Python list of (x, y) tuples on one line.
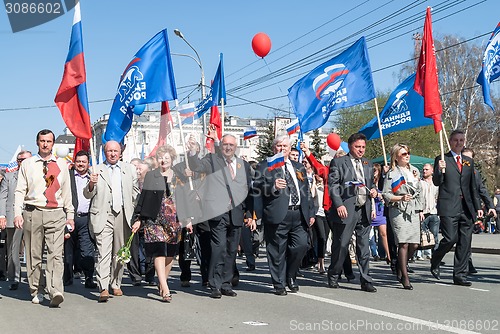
[(432, 307)]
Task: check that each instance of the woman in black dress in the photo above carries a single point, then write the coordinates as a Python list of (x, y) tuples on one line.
[(156, 211)]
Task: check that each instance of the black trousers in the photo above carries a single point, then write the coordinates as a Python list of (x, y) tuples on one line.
[(286, 246), (79, 248), (456, 230), (341, 237), (225, 238)]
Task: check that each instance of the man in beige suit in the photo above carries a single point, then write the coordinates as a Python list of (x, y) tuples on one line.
[(113, 189)]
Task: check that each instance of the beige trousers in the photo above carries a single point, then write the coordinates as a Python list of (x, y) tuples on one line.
[(44, 228), (109, 271)]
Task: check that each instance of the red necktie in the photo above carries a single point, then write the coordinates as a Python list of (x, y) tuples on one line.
[(459, 164)]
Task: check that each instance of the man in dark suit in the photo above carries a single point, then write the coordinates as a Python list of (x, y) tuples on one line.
[(226, 205), (458, 202), (287, 213), (79, 247), (351, 209)]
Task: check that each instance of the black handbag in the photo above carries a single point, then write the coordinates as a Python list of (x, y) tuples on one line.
[(426, 240), (189, 246)]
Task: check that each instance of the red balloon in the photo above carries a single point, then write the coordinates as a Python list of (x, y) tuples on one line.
[(333, 140), (261, 44)]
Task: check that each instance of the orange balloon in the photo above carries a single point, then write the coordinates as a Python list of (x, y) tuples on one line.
[(261, 44), (333, 141)]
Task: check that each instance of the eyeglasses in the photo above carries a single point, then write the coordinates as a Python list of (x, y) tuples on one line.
[(48, 179), (20, 160), (404, 154)]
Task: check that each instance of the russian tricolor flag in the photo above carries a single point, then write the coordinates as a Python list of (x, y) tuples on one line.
[(396, 184), (71, 97), (186, 110), (249, 132), (293, 127), (276, 161)]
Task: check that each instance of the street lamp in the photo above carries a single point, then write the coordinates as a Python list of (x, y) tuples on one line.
[(181, 36)]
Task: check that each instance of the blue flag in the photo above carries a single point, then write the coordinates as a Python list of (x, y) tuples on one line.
[(216, 94), (148, 78), (343, 81), (404, 110), (491, 65)]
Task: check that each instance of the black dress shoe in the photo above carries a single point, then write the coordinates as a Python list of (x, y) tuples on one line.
[(333, 283), (68, 282), (90, 284), (435, 273), (228, 292), (235, 280), (251, 268), (408, 269), (462, 282), (216, 293), (299, 274), (292, 285), (280, 292), (368, 287), (472, 270), (14, 286)]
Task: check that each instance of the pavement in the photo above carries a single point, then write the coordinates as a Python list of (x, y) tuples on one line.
[(486, 243)]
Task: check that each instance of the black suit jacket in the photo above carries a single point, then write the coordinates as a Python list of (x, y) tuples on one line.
[(149, 203), (453, 186), (342, 170), (275, 202), (482, 191), (223, 194)]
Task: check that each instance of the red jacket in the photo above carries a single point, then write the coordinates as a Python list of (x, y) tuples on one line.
[(322, 171)]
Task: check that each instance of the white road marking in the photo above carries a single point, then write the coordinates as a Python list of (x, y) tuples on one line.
[(423, 323), (476, 289)]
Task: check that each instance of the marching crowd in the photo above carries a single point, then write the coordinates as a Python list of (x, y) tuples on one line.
[(78, 218)]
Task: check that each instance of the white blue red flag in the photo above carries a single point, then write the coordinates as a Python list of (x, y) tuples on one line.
[(354, 183), (71, 97), (343, 81), (217, 92), (397, 183), (186, 110), (249, 132), (148, 78), (293, 127), (276, 161), (403, 110), (491, 65)]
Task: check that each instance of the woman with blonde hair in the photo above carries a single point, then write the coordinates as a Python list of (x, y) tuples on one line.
[(156, 211), (402, 195)]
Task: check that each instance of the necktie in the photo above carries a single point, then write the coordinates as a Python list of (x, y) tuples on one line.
[(360, 190), (459, 164), (231, 170), (116, 188), (294, 195)]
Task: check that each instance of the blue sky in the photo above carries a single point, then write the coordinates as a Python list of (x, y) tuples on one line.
[(113, 31)]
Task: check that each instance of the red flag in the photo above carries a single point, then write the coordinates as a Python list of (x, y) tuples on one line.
[(426, 80), (216, 121), (166, 124), (81, 144)]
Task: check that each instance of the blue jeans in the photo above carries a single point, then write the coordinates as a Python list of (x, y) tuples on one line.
[(431, 222)]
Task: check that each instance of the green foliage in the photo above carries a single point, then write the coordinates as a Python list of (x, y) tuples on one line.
[(317, 145), (265, 145)]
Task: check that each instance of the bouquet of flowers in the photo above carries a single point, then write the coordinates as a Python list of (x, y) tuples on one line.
[(123, 255)]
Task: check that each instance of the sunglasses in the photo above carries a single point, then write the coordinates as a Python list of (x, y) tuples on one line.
[(48, 179), (405, 154), (20, 160)]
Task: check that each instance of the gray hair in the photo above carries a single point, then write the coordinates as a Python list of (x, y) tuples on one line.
[(279, 139)]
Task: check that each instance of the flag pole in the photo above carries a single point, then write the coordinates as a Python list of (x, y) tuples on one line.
[(92, 154), (443, 170), (183, 141), (222, 115), (380, 130), (446, 136)]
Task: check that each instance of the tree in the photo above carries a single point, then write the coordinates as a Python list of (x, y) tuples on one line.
[(317, 145), (265, 146)]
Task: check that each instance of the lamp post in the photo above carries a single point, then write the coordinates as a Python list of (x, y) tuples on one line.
[(181, 36)]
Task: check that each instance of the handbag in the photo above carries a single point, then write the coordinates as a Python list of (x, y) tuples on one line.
[(189, 246), (426, 239)]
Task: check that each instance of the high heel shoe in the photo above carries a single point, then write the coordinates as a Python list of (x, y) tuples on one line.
[(406, 286), (167, 298)]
